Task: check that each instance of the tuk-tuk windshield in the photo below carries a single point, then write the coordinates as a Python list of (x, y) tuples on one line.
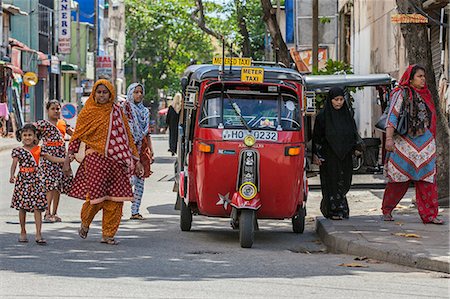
[(260, 111)]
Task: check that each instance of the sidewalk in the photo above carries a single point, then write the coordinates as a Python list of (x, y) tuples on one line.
[(405, 241), (7, 144)]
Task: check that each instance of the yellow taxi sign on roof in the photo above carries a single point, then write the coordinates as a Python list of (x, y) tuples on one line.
[(237, 61), (252, 74)]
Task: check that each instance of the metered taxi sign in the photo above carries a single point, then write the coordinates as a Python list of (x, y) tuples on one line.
[(236, 61), (252, 74)]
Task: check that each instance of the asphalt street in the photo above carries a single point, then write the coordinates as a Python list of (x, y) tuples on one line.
[(156, 260)]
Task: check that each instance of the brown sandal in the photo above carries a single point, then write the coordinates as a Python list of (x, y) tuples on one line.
[(109, 241), (137, 217), (83, 232)]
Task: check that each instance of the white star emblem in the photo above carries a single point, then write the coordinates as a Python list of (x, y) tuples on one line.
[(224, 200)]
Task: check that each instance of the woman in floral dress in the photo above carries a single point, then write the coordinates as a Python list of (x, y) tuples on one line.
[(52, 132)]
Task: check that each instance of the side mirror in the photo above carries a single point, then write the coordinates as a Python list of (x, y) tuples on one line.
[(184, 83)]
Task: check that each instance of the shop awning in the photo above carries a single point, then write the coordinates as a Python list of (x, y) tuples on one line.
[(14, 68), (69, 68), (13, 10), (44, 60)]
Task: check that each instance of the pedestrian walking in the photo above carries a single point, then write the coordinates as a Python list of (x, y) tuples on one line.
[(139, 122), (412, 157), (172, 119), (29, 193), (103, 142), (334, 141), (53, 132)]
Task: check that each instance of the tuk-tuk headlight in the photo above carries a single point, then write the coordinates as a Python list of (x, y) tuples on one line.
[(248, 190), (249, 140)]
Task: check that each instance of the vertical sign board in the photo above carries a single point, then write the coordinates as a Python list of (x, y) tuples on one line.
[(64, 27), (104, 67)]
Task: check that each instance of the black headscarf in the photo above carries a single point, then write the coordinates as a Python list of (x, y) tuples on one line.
[(340, 128)]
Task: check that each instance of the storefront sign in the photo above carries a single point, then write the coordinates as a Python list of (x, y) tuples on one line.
[(54, 67), (408, 18), (64, 27), (104, 67), (303, 59)]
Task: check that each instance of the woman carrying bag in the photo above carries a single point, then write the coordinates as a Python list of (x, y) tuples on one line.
[(411, 156)]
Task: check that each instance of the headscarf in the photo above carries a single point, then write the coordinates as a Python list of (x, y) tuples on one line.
[(93, 122), (141, 116), (340, 128), (425, 95)]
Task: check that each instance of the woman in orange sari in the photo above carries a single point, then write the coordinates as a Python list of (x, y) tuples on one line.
[(110, 158)]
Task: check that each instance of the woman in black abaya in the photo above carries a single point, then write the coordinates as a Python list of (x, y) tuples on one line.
[(334, 139)]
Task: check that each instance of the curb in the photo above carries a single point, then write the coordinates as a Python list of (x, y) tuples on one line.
[(159, 137), (356, 246), (356, 186)]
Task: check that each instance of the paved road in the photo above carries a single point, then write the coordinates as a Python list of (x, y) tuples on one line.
[(156, 260)]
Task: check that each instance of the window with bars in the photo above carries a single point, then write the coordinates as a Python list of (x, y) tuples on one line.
[(45, 19)]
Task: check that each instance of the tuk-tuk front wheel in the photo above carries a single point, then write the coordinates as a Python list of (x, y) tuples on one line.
[(298, 221), (185, 216), (247, 228)]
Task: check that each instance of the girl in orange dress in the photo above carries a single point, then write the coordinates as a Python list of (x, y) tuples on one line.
[(29, 193), (111, 157), (52, 133)]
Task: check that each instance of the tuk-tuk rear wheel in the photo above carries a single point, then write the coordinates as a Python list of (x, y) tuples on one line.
[(298, 221), (185, 217), (246, 228)]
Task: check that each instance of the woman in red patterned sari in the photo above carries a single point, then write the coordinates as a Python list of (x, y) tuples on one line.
[(412, 157), (110, 158)]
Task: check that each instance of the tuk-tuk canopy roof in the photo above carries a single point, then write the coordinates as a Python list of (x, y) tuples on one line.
[(208, 71), (323, 83)]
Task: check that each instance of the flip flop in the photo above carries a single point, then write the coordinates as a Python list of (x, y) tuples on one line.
[(83, 232), (137, 217), (41, 242), (437, 221), (388, 217), (109, 241), (23, 240)]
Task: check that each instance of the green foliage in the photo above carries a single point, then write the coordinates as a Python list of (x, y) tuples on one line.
[(333, 67), (256, 28), (166, 40), (325, 20)]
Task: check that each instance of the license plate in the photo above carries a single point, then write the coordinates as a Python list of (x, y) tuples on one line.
[(240, 134)]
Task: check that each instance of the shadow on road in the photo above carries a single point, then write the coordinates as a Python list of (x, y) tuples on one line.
[(156, 249)]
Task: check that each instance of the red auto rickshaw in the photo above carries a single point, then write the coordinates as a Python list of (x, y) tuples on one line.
[(241, 150)]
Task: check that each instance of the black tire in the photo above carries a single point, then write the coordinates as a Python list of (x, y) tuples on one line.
[(185, 217), (246, 228), (298, 221)]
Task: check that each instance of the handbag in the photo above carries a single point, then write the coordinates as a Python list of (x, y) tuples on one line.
[(145, 158), (402, 126)]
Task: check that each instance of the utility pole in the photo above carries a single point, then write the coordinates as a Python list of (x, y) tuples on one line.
[(78, 59), (134, 60), (2, 42), (95, 37), (315, 35)]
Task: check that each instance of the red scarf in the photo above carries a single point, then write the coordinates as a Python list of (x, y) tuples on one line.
[(424, 93)]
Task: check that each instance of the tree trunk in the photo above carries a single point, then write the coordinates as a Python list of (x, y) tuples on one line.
[(419, 52), (277, 39), (242, 24)]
